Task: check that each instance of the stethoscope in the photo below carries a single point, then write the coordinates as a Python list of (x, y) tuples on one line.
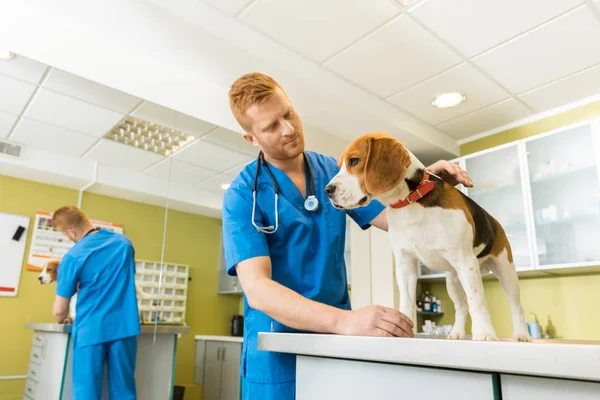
[(310, 204)]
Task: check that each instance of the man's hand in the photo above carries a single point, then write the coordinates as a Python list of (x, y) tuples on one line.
[(375, 321), (451, 173)]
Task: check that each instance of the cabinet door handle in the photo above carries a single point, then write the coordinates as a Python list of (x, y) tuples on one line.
[(223, 354)]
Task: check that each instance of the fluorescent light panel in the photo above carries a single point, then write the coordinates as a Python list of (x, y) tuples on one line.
[(148, 136)]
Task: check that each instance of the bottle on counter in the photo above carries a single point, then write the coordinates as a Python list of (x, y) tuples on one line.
[(427, 303), (535, 330), (434, 304), (439, 306)]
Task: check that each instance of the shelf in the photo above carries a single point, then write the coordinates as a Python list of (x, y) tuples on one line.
[(577, 218), (430, 313), (494, 189), (564, 174)]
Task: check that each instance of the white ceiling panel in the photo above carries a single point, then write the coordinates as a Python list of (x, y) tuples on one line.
[(169, 119), (23, 68), (493, 21), (488, 118), (69, 113), (564, 91), (231, 7), (122, 156), (235, 171), (306, 26), (6, 123), (14, 94), (393, 58), (479, 90), (179, 171), (210, 156), (214, 184), (232, 140), (566, 45), (51, 138), (84, 89)]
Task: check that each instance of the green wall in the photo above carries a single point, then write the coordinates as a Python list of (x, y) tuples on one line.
[(191, 239), (570, 301)]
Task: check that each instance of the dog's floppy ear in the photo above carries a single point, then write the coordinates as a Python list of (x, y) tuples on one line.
[(385, 165)]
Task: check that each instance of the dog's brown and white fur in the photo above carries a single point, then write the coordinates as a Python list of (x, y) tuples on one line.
[(445, 230), (49, 274)]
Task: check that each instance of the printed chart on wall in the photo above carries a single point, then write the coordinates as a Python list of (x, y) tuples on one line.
[(13, 236), (47, 243)]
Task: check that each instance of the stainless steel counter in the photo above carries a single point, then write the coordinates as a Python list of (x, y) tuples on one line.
[(146, 329), (547, 358)]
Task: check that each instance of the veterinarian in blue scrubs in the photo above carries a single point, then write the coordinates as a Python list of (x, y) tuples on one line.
[(106, 323), (285, 241)]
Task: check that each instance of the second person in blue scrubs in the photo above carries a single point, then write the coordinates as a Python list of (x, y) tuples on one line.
[(101, 267), (294, 279)]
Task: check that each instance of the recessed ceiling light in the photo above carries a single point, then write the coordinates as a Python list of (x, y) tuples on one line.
[(6, 54), (148, 136), (225, 186), (447, 100)]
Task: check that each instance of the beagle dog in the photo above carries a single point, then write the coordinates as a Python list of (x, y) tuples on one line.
[(434, 223), (49, 274)]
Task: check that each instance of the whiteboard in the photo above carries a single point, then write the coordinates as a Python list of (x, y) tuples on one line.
[(12, 252)]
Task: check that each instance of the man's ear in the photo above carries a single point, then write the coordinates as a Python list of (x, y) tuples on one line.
[(250, 139), (385, 166)]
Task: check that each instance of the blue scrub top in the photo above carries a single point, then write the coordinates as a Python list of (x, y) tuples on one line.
[(103, 265), (306, 251)]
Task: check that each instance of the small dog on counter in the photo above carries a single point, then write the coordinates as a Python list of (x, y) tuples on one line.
[(49, 274), (432, 222)]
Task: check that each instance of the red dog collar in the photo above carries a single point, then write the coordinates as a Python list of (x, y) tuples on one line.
[(425, 186)]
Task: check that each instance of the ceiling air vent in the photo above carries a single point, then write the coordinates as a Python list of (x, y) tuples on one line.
[(10, 149)]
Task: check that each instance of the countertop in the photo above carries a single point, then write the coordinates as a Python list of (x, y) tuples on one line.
[(146, 329), (550, 358), (220, 338)]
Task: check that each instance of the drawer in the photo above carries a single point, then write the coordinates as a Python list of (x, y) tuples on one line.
[(38, 339), (30, 388), (36, 354), (34, 372)]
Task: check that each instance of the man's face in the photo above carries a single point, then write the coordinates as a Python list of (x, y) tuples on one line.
[(275, 127)]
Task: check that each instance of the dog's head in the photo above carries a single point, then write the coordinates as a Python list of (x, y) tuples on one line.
[(49, 272), (370, 166)]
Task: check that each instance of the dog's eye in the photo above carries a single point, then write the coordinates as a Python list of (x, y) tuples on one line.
[(353, 161)]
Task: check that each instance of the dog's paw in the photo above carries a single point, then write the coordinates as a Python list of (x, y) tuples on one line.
[(457, 336), (487, 337), (522, 338)]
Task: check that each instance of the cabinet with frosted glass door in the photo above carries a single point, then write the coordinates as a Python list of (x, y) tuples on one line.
[(564, 175)]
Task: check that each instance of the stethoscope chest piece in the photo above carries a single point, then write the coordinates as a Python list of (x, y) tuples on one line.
[(311, 203)]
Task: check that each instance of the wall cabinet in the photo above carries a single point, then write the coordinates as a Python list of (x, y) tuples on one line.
[(227, 284), (545, 191), (218, 369)]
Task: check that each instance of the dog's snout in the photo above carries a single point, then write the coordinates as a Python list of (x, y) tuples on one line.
[(330, 189), (39, 278)]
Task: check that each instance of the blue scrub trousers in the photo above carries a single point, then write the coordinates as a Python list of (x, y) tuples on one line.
[(88, 368), (268, 391)]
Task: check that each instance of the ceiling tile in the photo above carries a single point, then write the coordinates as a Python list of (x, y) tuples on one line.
[(485, 119), (393, 58), (214, 184), (564, 91), (56, 140), (179, 171), (559, 48), (479, 90), (235, 171), (6, 123), (494, 21), (122, 156), (14, 94), (167, 117), (84, 89), (210, 156), (231, 7), (69, 113), (232, 140), (23, 68), (286, 21)]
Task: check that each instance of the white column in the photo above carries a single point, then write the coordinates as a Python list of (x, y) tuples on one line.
[(360, 264), (382, 270)]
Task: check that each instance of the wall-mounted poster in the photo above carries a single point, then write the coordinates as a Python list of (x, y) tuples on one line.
[(48, 243)]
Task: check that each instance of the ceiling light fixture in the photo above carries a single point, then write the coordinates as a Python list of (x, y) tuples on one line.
[(148, 136), (225, 186), (6, 54), (447, 100)]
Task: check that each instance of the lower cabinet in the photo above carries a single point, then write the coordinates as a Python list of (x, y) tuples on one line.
[(218, 369), (529, 387)]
